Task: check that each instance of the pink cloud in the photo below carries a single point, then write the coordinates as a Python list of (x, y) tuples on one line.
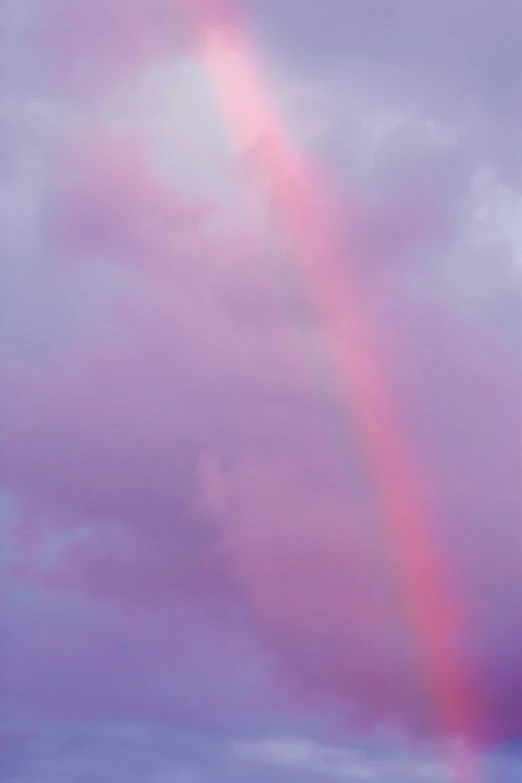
[(204, 357), (95, 46), (318, 566)]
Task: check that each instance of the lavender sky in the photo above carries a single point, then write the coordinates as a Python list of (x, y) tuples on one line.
[(190, 526)]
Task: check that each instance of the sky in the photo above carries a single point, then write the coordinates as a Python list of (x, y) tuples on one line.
[(199, 572)]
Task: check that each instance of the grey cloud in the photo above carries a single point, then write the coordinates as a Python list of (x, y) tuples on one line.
[(459, 57), (141, 752)]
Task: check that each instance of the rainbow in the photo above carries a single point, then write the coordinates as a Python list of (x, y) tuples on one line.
[(305, 205)]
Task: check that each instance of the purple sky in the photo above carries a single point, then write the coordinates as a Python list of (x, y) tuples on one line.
[(190, 526)]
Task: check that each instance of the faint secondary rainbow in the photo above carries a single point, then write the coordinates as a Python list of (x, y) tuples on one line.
[(306, 208)]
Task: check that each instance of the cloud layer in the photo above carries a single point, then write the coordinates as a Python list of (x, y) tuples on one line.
[(196, 532), (156, 753)]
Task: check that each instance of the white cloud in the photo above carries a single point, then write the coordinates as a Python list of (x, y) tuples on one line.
[(140, 752), (346, 763)]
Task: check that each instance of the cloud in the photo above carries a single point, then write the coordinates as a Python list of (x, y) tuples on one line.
[(318, 565), (145, 751), (94, 47), (452, 58), (197, 535)]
